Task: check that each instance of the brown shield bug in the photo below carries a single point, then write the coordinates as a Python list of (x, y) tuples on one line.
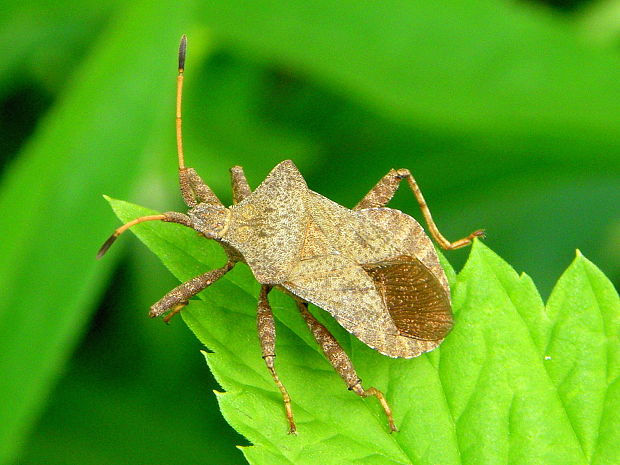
[(373, 268)]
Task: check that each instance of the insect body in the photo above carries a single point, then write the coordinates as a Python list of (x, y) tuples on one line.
[(373, 268)]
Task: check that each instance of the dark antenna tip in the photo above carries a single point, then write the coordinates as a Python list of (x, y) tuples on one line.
[(182, 52), (106, 245)]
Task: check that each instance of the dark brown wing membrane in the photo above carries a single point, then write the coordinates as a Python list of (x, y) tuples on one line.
[(414, 297)]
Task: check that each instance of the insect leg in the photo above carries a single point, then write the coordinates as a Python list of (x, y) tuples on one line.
[(267, 337), (177, 298), (240, 187), (385, 189), (341, 361), (193, 188)]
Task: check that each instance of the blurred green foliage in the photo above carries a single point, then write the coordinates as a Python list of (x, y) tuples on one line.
[(506, 112)]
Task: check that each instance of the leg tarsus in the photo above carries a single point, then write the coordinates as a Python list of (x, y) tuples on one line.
[(341, 361), (267, 337), (176, 309), (360, 391), (463, 241), (286, 398)]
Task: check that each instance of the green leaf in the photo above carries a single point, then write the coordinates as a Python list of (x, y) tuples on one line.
[(584, 361), (515, 382)]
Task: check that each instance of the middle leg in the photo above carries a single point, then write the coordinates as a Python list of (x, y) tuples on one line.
[(341, 361), (267, 336)]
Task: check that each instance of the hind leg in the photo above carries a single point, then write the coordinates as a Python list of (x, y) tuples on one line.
[(385, 189), (341, 361)]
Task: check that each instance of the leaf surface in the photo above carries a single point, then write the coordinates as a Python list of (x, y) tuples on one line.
[(515, 382)]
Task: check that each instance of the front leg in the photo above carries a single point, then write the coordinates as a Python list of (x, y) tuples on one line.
[(385, 189), (177, 298)]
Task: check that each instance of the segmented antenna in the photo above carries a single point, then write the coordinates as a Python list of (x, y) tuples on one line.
[(182, 53), (107, 244)]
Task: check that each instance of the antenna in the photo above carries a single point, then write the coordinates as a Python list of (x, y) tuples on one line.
[(107, 244), (182, 53)]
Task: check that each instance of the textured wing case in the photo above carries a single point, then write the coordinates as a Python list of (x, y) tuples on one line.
[(349, 293), (374, 270), (418, 305), (376, 275)]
